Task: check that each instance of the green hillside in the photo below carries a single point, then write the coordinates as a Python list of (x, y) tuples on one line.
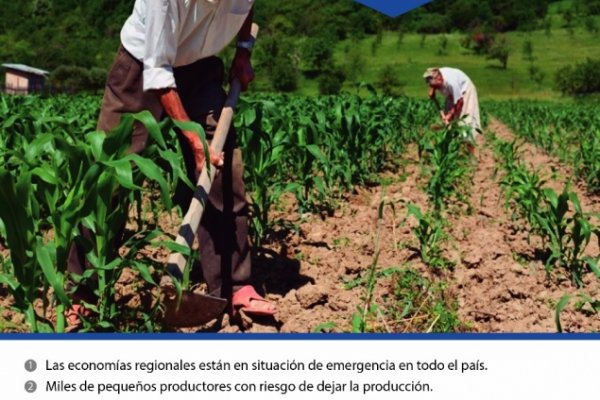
[(412, 56), (305, 41)]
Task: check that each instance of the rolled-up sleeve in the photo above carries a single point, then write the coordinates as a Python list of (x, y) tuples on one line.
[(160, 44)]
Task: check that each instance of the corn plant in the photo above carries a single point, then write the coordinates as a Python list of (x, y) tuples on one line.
[(447, 165), (568, 131), (558, 220), (508, 153), (369, 307), (567, 236), (60, 183), (525, 189), (585, 304), (429, 232), (265, 155), (293, 144)]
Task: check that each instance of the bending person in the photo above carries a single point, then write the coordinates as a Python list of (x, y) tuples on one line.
[(461, 98)]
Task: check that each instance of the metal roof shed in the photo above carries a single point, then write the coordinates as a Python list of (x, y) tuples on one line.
[(22, 79)]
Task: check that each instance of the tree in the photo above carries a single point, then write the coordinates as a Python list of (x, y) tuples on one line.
[(72, 79), (316, 53), (536, 74), (591, 25), (582, 78), (355, 64), (528, 51), (443, 46), (331, 79), (277, 56), (499, 51), (388, 81)]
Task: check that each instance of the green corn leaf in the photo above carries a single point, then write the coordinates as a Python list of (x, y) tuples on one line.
[(324, 327), (292, 187), (593, 265), (46, 173), (34, 149), (319, 185), (10, 281), (118, 140), (358, 325), (149, 122), (174, 247), (53, 277), (99, 264), (575, 200), (415, 211), (175, 163), (316, 152), (249, 115), (144, 272), (559, 308), (17, 223), (153, 172), (123, 173), (135, 243), (192, 127), (96, 141)]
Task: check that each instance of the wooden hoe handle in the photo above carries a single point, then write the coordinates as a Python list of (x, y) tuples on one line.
[(191, 221)]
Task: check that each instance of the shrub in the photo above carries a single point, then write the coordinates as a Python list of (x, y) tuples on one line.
[(331, 79), (434, 23), (583, 78), (317, 52), (499, 51), (72, 79), (355, 65), (388, 81), (284, 75)]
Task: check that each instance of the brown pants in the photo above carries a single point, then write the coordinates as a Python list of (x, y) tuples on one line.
[(223, 234)]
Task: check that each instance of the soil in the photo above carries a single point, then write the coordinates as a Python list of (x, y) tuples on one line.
[(498, 276)]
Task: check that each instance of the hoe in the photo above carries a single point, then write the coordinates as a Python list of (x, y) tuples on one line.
[(194, 309)]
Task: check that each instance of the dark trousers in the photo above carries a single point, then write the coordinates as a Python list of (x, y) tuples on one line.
[(223, 234)]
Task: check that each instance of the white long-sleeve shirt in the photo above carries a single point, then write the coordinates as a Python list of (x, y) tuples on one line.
[(169, 33), (456, 83)]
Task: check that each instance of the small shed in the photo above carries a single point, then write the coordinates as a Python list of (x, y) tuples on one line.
[(22, 79)]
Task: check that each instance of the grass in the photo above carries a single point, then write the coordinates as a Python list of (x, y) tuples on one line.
[(410, 59)]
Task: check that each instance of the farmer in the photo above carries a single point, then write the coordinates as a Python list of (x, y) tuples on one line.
[(461, 98), (166, 64)]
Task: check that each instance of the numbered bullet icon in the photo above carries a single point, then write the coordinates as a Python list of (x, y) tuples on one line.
[(30, 386), (30, 365)]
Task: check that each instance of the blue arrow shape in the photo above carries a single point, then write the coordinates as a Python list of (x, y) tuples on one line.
[(393, 8)]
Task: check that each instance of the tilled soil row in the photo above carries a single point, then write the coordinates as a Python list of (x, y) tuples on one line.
[(502, 282)]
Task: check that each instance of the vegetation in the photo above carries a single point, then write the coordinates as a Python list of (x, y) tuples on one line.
[(569, 131), (73, 177), (59, 176), (558, 219), (82, 39), (582, 78)]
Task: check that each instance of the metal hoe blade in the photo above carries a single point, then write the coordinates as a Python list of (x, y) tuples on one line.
[(194, 309)]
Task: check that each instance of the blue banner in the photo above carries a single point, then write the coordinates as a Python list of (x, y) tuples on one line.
[(393, 8)]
